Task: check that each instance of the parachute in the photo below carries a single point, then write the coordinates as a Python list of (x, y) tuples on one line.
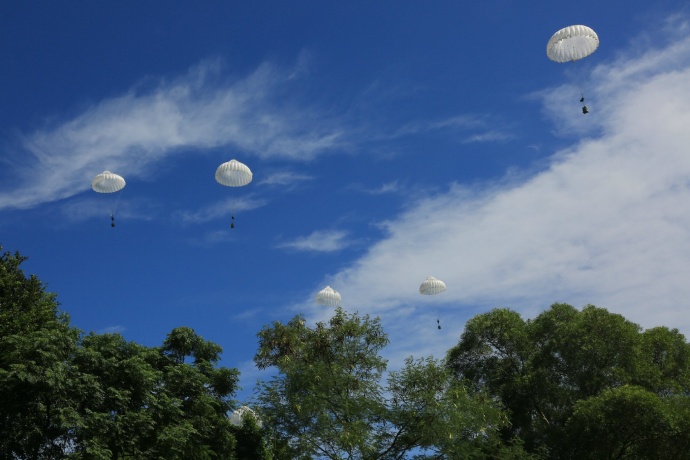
[(432, 286), (328, 297), (108, 182), (233, 174), (238, 415), (571, 44)]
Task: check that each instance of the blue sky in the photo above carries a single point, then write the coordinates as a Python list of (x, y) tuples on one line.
[(389, 141)]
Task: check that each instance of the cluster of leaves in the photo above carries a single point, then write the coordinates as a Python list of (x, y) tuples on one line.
[(582, 383), (68, 395)]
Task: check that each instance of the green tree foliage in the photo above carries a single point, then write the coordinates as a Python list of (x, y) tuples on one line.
[(37, 412), (552, 372), (115, 384), (630, 422), (328, 399), (141, 402), (251, 441), (66, 395), (198, 427)]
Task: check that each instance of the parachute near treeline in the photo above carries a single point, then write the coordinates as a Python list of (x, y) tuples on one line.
[(233, 174), (328, 297), (238, 415), (571, 44), (107, 182)]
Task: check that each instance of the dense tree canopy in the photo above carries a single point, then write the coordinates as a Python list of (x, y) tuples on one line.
[(560, 373), (328, 399), (68, 395), (37, 411)]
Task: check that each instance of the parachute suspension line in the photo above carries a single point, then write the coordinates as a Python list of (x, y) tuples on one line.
[(114, 208), (585, 111)]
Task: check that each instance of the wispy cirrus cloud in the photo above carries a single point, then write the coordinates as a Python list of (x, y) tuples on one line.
[(388, 187), (82, 209), (319, 241), (113, 330), (488, 136), (219, 209), (131, 133), (282, 178), (470, 128)]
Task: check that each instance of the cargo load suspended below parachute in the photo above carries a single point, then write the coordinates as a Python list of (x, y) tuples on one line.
[(107, 182), (328, 297), (233, 174)]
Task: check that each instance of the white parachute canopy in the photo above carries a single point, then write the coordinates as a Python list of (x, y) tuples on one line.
[(238, 415), (572, 43), (233, 174), (107, 182), (328, 297), (432, 286)]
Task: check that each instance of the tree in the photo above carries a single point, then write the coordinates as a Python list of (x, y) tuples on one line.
[(328, 399), (37, 412), (119, 384), (68, 395), (149, 403), (546, 369), (198, 427), (629, 422), (251, 440)]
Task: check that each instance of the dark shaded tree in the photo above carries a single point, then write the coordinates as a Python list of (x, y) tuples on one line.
[(37, 411), (629, 422), (149, 403), (251, 441), (98, 396), (543, 369)]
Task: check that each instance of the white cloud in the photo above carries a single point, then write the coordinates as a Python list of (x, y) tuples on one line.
[(606, 222), (388, 187), (319, 241), (282, 178), (99, 207), (220, 209), (488, 136), (131, 133), (113, 330), (479, 127)]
